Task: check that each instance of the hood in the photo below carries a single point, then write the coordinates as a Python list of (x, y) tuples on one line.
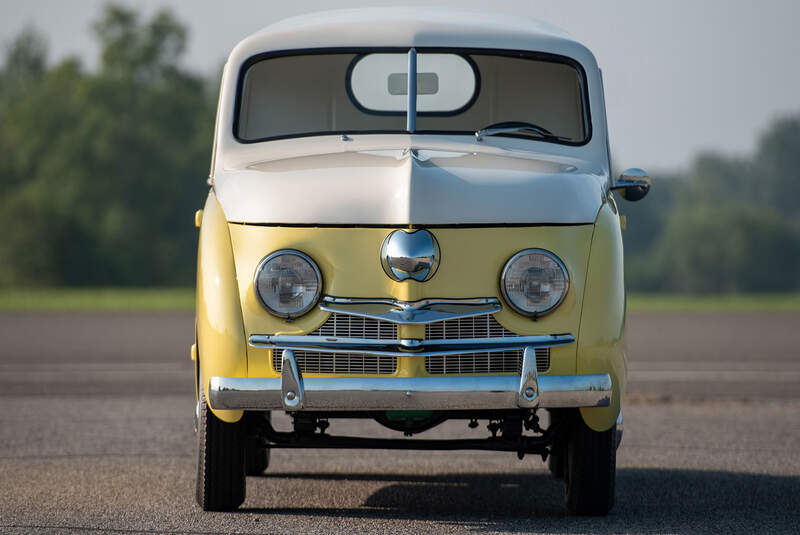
[(413, 186)]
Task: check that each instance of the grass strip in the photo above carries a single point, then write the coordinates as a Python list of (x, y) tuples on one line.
[(725, 303), (183, 299), (97, 299)]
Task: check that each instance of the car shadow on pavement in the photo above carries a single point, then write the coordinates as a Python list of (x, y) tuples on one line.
[(647, 501)]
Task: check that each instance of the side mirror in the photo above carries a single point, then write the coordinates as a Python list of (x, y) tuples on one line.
[(633, 184)]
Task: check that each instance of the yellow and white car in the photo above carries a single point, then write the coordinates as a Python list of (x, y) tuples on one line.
[(411, 219)]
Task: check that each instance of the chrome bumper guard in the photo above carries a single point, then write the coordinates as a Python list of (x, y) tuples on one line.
[(293, 392)]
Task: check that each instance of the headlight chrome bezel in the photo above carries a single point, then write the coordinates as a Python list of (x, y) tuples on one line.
[(310, 262), (514, 306)]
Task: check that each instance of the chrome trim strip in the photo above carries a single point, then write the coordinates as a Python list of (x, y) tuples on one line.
[(409, 304), (406, 347), (410, 312), (411, 393)]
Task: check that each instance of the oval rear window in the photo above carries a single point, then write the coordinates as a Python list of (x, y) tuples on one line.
[(378, 83)]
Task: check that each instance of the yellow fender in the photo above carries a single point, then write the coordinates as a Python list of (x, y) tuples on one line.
[(601, 346), (221, 344)]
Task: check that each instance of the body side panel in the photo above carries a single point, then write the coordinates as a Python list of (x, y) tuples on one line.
[(222, 348), (601, 347)]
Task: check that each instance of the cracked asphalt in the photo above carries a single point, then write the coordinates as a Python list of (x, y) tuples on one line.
[(96, 437)]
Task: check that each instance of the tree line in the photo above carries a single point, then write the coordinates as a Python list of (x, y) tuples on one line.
[(102, 170), (728, 224)]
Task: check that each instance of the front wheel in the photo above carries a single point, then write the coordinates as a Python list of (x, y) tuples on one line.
[(557, 459), (590, 471), (256, 455), (220, 461)]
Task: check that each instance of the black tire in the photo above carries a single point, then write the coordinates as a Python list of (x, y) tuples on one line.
[(556, 461), (590, 470), (256, 457), (220, 462)]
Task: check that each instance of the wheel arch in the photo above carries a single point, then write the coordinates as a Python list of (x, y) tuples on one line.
[(221, 342), (601, 339)]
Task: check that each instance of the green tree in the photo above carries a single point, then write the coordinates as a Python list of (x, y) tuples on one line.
[(104, 169), (133, 52), (776, 168), (729, 224), (25, 63), (101, 172), (726, 248)]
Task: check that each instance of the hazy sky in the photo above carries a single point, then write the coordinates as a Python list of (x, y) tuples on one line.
[(680, 76)]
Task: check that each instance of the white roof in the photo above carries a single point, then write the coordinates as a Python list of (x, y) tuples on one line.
[(412, 26), (402, 27)]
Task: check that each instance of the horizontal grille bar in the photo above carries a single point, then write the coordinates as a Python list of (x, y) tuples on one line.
[(488, 362), (485, 363), (346, 326), (339, 363), (474, 327)]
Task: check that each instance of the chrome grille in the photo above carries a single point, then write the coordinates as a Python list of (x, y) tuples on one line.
[(346, 326), (484, 326), (487, 362), (340, 363)]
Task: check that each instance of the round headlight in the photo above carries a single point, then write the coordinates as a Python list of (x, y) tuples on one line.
[(534, 282), (288, 283)]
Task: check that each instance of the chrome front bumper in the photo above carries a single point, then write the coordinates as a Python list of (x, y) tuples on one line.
[(293, 392)]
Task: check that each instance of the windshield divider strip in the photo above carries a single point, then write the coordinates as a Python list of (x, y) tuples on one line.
[(411, 107)]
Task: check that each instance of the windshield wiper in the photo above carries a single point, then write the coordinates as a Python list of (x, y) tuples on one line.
[(517, 126)]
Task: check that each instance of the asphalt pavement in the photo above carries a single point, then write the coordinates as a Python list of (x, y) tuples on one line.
[(96, 437)]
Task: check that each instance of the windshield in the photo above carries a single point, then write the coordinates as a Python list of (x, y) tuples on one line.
[(362, 92)]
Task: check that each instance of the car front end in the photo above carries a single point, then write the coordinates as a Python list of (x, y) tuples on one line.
[(410, 253)]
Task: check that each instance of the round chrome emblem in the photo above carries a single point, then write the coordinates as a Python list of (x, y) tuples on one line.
[(410, 255)]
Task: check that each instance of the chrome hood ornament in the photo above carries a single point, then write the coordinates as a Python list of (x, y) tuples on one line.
[(410, 255)]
